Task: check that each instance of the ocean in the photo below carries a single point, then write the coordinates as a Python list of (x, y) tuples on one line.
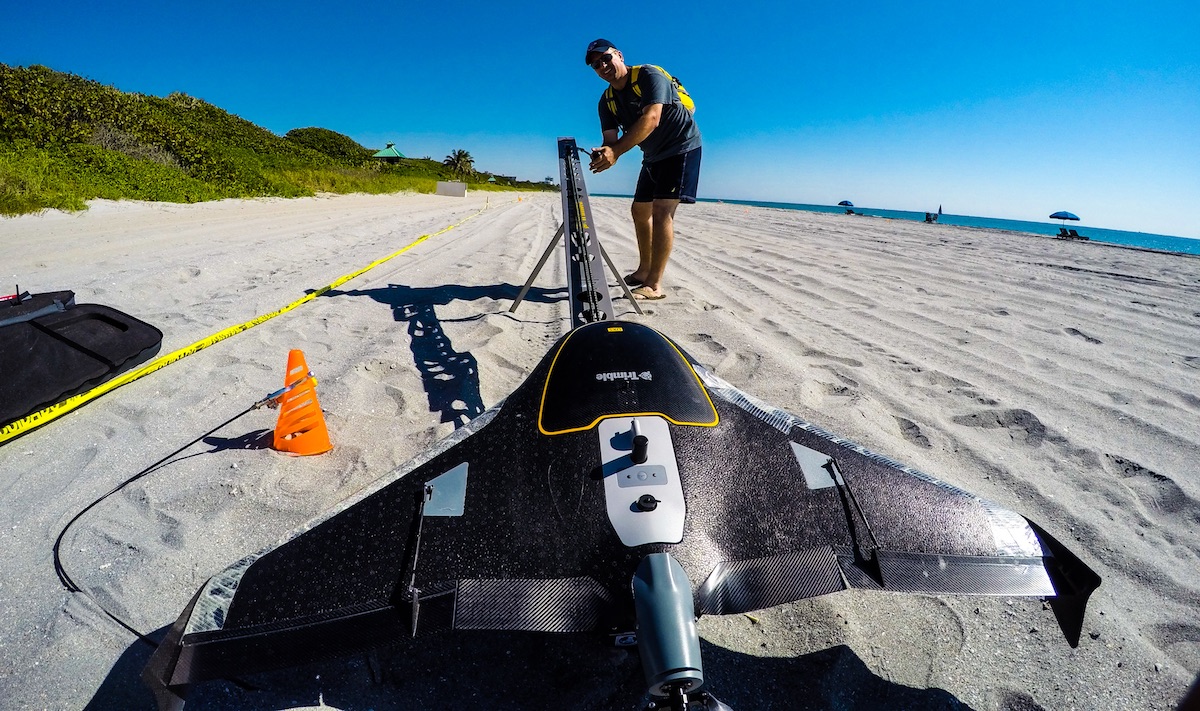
[(1142, 240)]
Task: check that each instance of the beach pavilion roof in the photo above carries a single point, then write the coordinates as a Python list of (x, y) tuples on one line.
[(389, 152)]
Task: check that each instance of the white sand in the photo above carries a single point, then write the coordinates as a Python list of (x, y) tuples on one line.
[(1058, 379)]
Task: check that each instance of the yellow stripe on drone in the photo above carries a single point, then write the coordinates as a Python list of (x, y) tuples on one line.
[(57, 410)]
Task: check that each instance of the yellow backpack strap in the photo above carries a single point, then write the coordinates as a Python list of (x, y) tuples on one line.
[(611, 100), (633, 75)]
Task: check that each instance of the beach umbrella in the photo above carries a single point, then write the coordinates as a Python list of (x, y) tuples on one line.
[(1064, 216), (846, 203)]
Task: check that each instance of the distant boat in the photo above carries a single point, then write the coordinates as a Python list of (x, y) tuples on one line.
[(939, 209)]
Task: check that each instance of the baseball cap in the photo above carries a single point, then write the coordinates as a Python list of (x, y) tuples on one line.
[(597, 45)]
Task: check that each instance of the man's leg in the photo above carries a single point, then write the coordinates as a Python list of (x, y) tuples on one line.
[(642, 216), (662, 238)]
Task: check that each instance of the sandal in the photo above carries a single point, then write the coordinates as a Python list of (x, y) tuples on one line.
[(644, 293), (631, 280)]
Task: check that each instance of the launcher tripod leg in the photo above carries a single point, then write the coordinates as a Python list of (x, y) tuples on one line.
[(546, 255), (536, 270), (621, 281)]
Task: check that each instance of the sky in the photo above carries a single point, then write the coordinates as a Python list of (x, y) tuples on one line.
[(1011, 110)]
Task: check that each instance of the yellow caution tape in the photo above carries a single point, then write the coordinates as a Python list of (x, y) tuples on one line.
[(41, 417)]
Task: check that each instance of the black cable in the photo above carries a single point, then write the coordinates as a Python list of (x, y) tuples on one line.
[(65, 578)]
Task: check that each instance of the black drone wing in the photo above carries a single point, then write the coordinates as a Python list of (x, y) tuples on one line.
[(536, 515), (866, 521)]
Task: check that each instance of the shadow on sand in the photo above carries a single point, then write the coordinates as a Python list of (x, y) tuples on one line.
[(502, 671), (450, 377), (256, 439)]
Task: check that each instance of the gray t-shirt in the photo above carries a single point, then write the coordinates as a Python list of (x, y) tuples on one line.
[(676, 132)]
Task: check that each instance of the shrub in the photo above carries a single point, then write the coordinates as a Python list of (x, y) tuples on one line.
[(330, 143), (114, 139)]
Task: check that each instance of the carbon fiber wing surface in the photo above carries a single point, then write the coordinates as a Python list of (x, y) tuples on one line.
[(503, 526)]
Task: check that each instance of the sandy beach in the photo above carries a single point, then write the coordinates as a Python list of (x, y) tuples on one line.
[(1058, 379)]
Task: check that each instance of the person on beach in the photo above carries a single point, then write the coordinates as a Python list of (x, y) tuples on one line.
[(651, 115)]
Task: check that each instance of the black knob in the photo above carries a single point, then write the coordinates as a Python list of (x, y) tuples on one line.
[(647, 502), (641, 444)]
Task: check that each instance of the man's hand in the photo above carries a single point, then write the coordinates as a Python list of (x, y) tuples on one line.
[(603, 158)]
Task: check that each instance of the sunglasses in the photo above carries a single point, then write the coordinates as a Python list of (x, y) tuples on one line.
[(605, 58)]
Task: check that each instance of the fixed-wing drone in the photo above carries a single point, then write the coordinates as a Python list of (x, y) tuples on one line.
[(622, 489)]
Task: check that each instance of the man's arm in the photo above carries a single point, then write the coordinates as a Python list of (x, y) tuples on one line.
[(606, 155)]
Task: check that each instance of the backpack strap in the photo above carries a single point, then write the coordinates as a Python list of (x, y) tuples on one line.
[(611, 99), (634, 71)]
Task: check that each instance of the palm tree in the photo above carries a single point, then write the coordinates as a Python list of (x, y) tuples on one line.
[(460, 163)]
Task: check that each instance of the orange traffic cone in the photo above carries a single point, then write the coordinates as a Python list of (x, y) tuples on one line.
[(301, 426)]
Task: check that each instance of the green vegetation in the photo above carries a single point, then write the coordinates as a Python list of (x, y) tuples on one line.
[(330, 143), (460, 163), (65, 140)]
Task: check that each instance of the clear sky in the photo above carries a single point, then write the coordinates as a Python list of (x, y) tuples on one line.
[(1011, 110)]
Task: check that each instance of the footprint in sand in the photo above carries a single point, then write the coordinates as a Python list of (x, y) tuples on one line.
[(298, 486), (951, 384), (397, 396), (684, 295), (166, 528), (1015, 420), (1159, 494), (942, 380), (814, 353), (1081, 334), (1011, 700), (477, 337), (834, 390), (170, 530), (738, 366), (711, 345), (846, 380), (911, 432)]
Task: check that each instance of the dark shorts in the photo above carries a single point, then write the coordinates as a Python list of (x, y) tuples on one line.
[(674, 178)]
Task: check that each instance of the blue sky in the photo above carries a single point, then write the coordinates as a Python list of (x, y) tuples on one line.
[(1010, 110)]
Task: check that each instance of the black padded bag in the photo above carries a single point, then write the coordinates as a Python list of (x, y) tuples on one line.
[(50, 357)]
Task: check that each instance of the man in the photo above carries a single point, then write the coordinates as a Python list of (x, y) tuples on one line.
[(658, 122)]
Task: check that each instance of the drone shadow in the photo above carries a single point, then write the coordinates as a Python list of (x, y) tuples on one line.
[(500, 671)]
